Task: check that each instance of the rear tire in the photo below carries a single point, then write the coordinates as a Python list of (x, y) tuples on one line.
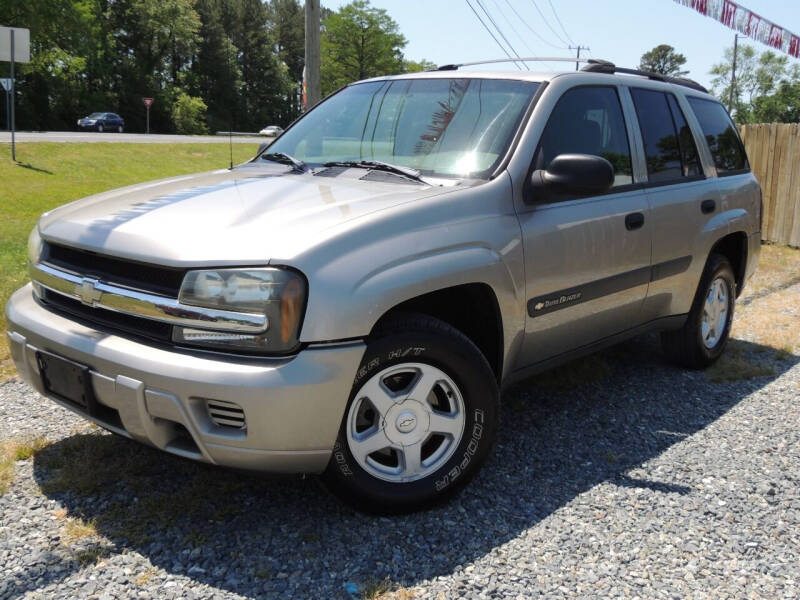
[(420, 421), (702, 339), (119, 129)]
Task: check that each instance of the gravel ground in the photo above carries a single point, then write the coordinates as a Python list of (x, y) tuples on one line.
[(648, 482)]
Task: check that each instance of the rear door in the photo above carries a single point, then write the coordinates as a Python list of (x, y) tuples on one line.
[(682, 200), (587, 259)]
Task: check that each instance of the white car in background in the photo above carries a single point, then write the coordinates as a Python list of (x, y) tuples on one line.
[(271, 131)]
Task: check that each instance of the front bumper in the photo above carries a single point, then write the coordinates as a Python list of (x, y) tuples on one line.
[(292, 407)]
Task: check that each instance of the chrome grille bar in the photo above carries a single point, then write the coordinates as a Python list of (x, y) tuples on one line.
[(142, 304)]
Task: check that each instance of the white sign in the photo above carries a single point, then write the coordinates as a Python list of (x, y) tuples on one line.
[(22, 44), (6, 83)]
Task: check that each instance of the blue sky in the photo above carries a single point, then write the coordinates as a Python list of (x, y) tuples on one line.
[(446, 31)]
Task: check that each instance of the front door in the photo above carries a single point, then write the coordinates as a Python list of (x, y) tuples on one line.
[(587, 259)]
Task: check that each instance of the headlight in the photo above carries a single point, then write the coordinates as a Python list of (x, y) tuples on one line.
[(35, 246), (279, 294)]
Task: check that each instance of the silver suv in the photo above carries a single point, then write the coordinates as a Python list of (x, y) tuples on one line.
[(352, 300)]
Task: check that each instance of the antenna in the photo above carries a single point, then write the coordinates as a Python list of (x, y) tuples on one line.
[(230, 110), (230, 144)]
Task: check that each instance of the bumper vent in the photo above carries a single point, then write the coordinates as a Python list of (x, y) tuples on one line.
[(225, 414)]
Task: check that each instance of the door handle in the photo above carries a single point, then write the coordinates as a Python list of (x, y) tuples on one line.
[(708, 206), (634, 221)]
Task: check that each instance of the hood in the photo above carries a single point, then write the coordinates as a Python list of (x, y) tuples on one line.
[(230, 217)]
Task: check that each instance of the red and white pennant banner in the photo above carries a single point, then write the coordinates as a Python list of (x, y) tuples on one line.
[(747, 22)]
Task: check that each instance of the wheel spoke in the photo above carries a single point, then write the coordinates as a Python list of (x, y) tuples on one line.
[(423, 386), (412, 459), (378, 396), (444, 423), (366, 446)]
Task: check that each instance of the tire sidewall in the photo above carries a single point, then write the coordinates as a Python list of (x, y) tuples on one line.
[(719, 267), (479, 392)]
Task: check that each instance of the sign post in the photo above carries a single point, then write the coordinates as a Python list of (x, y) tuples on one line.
[(19, 49), (148, 102), (5, 82)]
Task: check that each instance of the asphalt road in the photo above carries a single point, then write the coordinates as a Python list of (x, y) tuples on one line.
[(136, 138)]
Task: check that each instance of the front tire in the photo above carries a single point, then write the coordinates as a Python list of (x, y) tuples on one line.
[(99, 129), (421, 418), (119, 129), (702, 339)]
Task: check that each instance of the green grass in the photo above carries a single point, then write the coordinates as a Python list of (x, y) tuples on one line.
[(49, 175)]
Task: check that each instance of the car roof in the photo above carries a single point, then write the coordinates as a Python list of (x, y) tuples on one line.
[(588, 77)]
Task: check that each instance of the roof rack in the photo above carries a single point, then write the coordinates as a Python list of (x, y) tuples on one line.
[(456, 66), (604, 66)]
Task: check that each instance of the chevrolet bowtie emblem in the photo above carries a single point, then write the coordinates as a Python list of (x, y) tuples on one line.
[(88, 292), (539, 306)]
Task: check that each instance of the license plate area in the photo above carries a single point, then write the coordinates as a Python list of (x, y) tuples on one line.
[(67, 380)]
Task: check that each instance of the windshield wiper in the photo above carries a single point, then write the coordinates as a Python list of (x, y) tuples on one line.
[(286, 159), (378, 165)]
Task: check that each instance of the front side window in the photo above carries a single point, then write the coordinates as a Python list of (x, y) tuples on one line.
[(449, 127), (588, 120), (669, 148), (720, 133)]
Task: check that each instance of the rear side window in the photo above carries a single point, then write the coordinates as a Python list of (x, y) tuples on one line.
[(588, 120), (689, 158), (669, 147), (721, 135)]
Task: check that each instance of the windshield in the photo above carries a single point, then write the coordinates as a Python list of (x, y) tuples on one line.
[(95, 115), (450, 127)]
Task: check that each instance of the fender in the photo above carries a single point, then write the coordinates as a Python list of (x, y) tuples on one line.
[(471, 236), (397, 281)]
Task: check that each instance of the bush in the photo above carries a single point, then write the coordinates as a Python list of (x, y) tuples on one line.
[(189, 114)]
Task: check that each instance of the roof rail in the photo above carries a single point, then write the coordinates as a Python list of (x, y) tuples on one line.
[(456, 66), (604, 66)]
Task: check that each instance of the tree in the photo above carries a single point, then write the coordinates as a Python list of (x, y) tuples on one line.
[(215, 75), (265, 83), (188, 114), (765, 87), (359, 41), (153, 41), (665, 60), (781, 107), (413, 66), (286, 23)]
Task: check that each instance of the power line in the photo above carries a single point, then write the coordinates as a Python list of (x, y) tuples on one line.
[(514, 29), (555, 13), (546, 22), (500, 31), (486, 27), (532, 30)]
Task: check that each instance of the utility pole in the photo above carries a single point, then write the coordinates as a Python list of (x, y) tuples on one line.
[(733, 71), (578, 57), (313, 89)]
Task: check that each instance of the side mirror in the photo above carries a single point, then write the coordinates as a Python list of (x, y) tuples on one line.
[(572, 174)]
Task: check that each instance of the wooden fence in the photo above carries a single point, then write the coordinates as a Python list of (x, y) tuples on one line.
[(774, 153)]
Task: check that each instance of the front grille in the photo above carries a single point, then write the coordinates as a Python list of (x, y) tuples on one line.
[(225, 414), (137, 326), (165, 281)]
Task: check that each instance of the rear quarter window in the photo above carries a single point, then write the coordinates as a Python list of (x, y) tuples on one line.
[(721, 136)]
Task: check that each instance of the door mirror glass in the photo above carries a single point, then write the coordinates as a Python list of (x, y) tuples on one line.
[(570, 175)]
